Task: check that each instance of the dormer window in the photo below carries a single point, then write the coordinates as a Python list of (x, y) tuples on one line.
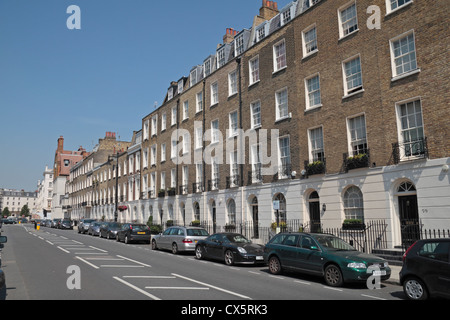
[(207, 67), (220, 57), (239, 45), (193, 80), (286, 16), (170, 94), (180, 86)]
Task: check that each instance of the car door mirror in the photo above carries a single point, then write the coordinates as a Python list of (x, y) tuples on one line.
[(3, 239), (314, 248)]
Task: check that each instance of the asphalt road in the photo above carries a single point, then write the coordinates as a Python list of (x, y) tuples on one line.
[(52, 264)]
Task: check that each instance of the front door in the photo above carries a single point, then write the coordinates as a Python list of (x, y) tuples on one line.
[(409, 219), (314, 212)]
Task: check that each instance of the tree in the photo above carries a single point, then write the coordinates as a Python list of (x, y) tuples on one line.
[(25, 211), (5, 212)]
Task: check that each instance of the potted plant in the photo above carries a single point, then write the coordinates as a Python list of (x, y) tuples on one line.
[(316, 167), (230, 227), (360, 160), (353, 224), (195, 223), (161, 193)]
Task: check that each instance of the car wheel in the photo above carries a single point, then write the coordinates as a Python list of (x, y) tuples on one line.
[(199, 253), (154, 246), (274, 265), (415, 289), (117, 238), (127, 240), (229, 258), (174, 248), (333, 276)]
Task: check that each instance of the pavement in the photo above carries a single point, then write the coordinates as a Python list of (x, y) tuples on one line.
[(395, 277)]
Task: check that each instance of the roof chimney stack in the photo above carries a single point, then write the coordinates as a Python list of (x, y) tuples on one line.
[(229, 36), (268, 10)]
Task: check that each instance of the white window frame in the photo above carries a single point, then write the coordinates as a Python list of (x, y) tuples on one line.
[(233, 121), (358, 141), (389, 3), (215, 138), (199, 102), (146, 129), (278, 115), (153, 155), (308, 93), (207, 67), (279, 58), (163, 180), (214, 93), (253, 70), (186, 143), (255, 115), (232, 83), (313, 141), (174, 116), (281, 157), (395, 74), (306, 44), (163, 152), (193, 77), (198, 138), (163, 121), (357, 89), (221, 57), (180, 86), (401, 130), (186, 110), (154, 125), (239, 45), (342, 30), (173, 149)]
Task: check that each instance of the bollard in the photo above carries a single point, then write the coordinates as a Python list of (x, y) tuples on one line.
[(38, 226)]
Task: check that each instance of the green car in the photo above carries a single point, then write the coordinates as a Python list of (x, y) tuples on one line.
[(324, 255)]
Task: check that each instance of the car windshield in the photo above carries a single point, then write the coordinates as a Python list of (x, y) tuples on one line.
[(139, 227), (114, 225), (333, 243), (237, 238), (197, 232), (88, 221)]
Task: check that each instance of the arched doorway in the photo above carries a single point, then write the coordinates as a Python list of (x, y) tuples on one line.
[(196, 211), (314, 212), (214, 215), (255, 217), (280, 213), (408, 213)]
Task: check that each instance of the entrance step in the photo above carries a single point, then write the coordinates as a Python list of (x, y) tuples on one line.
[(393, 256)]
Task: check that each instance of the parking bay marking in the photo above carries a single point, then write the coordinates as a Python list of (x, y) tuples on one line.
[(211, 286)]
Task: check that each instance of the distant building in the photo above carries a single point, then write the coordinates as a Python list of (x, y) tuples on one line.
[(15, 200), (64, 161)]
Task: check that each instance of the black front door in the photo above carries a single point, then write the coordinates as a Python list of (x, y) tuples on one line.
[(314, 211), (409, 219)]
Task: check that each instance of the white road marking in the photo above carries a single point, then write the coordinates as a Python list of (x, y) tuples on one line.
[(137, 289), (145, 265), (211, 286), (87, 262)]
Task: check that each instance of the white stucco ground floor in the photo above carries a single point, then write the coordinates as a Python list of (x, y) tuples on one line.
[(416, 191)]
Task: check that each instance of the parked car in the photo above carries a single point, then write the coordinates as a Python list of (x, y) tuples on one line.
[(109, 230), (94, 228), (134, 232), (323, 255), (55, 223), (426, 269), (3, 239), (229, 247), (179, 238), (66, 224), (83, 227)]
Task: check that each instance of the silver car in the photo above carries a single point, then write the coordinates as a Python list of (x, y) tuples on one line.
[(179, 239)]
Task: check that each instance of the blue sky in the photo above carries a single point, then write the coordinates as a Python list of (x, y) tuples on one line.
[(105, 77)]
